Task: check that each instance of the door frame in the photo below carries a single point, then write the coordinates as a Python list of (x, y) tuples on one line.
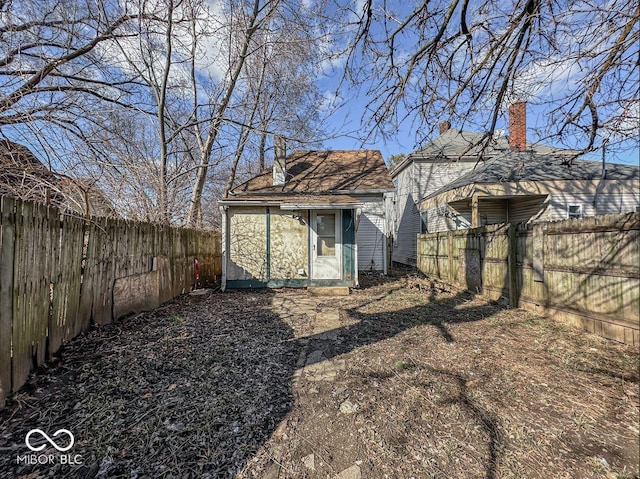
[(313, 241)]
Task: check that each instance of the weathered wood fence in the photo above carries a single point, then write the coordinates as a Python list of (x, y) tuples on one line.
[(582, 271), (59, 274)]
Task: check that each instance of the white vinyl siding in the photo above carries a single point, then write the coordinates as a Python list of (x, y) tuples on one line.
[(405, 218), (415, 182), (492, 211), (433, 175), (371, 236), (525, 209), (444, 218)]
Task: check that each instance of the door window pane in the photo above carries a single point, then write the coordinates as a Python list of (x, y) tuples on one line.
[(326, 246), (326, 224)]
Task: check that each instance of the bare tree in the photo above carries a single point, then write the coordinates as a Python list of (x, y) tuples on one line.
[(157, 101), (280, 93), (52, 69), (468, 60)]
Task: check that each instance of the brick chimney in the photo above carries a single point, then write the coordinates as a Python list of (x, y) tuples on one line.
[(444, 126), (279, 161), (518, 126)]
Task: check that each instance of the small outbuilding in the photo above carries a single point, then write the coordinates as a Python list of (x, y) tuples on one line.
[(315, 219)]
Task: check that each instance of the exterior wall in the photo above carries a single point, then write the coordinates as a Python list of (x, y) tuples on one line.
[(289, 244), (417, 180), (247, 245), (269, 247), (582, 271), (404, 217), (592, 204), (525, 209), (445, 218), (531, 202), (492, 211), (371, 235), (430, 176)]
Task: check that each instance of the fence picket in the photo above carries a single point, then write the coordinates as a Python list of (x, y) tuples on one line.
[(583, 271), (41, 248)]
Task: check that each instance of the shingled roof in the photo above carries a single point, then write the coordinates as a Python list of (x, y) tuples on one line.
[(515, 167), (455, 143), (321, 173)]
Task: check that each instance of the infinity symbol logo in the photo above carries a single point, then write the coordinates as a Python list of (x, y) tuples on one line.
[(51, 441)]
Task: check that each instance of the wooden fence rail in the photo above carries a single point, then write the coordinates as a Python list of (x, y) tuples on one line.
[(583, 271), (60, 274)]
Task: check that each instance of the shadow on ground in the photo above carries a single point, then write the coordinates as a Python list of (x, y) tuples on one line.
[(190, 390), (199, 386)]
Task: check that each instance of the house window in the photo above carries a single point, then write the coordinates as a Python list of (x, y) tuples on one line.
[(574, 211), (423, 223)]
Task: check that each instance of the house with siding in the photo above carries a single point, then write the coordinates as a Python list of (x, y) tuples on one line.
[(524, 187), (448, 157), (315, 219)]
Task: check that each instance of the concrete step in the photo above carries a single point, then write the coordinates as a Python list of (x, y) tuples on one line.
[(328, 290)]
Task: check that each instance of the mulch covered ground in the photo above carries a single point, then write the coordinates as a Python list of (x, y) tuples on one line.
[(433, 383)]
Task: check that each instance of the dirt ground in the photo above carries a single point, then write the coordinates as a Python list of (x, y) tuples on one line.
[(404, 378)]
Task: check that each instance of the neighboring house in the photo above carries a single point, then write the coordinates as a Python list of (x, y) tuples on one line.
[(315, 219), (520, 187), (440, 162), (23, 176)]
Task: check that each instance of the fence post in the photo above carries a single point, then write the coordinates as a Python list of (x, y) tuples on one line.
[(7, 241), (512, 258)]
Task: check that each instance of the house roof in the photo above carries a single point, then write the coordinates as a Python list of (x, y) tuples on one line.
[(18, 158), (515, 167), (328, 172), (455, 143), (24, 176)]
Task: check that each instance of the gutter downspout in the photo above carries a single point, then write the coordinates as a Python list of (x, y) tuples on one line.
[(356, 223), (225, 219)]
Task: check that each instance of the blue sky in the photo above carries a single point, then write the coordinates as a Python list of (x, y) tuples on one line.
[(348, 117), (544, 81)]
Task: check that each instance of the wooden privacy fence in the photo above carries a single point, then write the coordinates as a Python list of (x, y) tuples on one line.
[(60, 274), (583, 271)]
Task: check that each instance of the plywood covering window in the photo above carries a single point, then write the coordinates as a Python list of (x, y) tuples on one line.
[(326, 229)]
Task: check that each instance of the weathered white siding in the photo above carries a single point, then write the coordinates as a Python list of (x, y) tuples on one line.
[(492, 211), (416, 181), (371, 235), (525, 209), (405, 218), (548, 201), (605, 203), (444, 218), (435, 174)]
